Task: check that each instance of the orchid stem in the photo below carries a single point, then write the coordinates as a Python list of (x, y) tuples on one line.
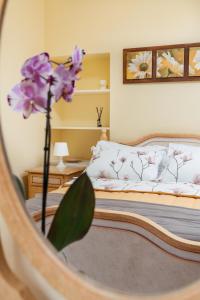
[(69, 61), (54, 62), (46, 163)]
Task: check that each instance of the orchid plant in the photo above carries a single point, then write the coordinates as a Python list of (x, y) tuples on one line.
[(42, 86)]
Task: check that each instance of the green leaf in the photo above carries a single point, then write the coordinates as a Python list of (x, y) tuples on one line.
[(20, 186), (74, 215)]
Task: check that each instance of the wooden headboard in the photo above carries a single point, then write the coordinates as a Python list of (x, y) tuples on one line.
[(165, 139)]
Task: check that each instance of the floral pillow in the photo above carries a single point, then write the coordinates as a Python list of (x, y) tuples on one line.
[(106, 145), (137, 163), (184, 164)]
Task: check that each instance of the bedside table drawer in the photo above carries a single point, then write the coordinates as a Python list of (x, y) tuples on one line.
[(38, 180), (56, 178)]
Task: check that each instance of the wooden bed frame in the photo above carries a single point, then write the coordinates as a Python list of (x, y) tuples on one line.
[(151, 229), (165, 138)]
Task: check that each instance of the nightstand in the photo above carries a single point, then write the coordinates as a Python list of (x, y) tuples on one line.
[(56, 178)]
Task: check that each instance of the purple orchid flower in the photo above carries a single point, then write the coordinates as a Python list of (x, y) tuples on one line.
[(28, 97), (77, 55), (64, 78), (31, 95), (63, 83), (77, 58), (38, 68)]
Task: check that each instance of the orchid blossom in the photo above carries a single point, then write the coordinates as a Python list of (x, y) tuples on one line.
[(77, 58), (63, 83), (64, 78), (38, 68), (28, 98), (42, 81)]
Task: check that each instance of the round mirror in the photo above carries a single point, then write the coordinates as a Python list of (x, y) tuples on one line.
[(137, 230)]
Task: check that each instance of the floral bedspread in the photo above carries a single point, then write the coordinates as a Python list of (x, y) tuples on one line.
[(187, 189)]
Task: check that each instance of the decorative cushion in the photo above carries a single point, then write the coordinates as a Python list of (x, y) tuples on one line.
[(134, 163), (184, 164), (106, 145)]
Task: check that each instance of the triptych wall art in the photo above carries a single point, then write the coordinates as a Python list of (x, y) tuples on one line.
[(162, 63)]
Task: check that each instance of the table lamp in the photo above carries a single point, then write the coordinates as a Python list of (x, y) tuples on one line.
[(60, 150)]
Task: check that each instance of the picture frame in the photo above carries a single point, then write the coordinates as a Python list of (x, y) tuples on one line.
[(168, 63), (194, 61)]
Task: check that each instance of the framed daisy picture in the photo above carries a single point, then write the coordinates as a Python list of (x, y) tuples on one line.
[(170, 63), (139, 65), (194, 61), (162, 63)]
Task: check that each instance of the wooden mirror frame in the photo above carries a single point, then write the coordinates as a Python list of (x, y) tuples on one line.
[(27, 254)]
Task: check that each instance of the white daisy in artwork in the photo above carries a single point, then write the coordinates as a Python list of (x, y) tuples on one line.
[(159, 65), (174, 66), (141, 65), (191, 71), (196, 60)]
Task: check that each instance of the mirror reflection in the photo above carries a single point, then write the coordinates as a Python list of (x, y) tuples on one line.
[(135, 148)]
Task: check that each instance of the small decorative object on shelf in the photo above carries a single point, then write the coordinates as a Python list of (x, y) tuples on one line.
[(42, 86), (99, 113), (104, 136), (102, 83), (60, 150)]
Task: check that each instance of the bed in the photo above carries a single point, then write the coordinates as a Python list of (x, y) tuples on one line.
[(176, 209)]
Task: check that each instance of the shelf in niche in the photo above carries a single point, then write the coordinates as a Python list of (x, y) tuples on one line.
[(80, 128), (95, 91)]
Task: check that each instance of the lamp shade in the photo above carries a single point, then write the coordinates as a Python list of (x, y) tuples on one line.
[(60, 149)]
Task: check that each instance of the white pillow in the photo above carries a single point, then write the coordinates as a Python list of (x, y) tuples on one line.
[(136, 163), (184, 164), (106, 145)]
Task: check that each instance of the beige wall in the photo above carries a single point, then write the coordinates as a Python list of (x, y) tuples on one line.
[(23, 36), (110, 26)]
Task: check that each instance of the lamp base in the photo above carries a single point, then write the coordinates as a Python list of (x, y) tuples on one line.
[(61, 165)]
